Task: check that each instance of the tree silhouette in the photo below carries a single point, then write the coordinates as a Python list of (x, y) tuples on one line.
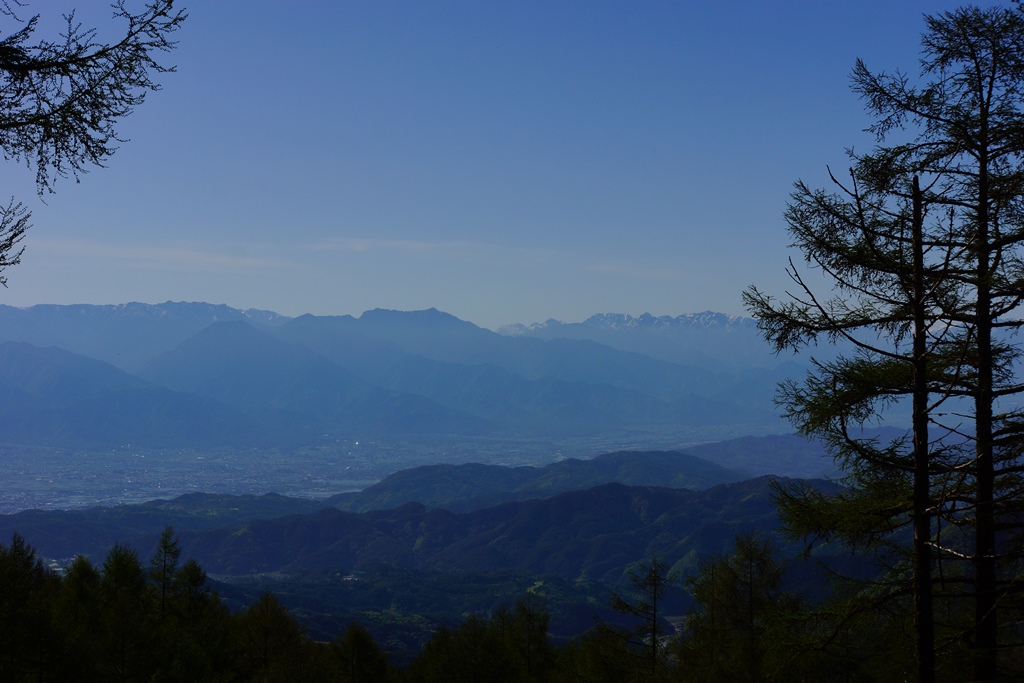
[(61, 99), (940, 330), (651, 580)]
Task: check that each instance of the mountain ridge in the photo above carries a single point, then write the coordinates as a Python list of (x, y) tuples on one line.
[(715, 340), (472, 486), (702, 319), (321, 379)]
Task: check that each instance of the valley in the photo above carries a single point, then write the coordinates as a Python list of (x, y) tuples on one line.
[(103, 405), (564, 533), (400, 469), (59, 478)]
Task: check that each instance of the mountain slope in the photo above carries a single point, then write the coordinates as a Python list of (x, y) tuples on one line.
[(788, 455), (313, 380), (293, 388), (124, 335), (710, 339), (65, 533), (57, 398), (592, 534), (521, 381), (473, 486)]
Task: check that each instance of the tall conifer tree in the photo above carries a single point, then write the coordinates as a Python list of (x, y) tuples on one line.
[(929, 317)]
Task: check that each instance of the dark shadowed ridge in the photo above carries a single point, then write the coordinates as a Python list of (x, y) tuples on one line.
[(92, 531), (592, 534), (474, 486), (789, 454)]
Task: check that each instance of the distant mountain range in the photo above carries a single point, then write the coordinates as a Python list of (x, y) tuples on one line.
[(124, 335), (197, 374), (53, 397), (713, 339)]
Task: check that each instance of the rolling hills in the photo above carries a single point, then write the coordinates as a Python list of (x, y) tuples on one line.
[(472, 486)]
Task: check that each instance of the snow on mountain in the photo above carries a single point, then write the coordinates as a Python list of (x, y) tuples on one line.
[(705, 319), (706, 339), (625, 321)]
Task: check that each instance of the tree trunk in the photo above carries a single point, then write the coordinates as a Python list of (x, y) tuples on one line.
[(923, 613), (985, 550)]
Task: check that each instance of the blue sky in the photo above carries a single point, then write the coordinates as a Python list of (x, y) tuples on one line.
[(502, 161)]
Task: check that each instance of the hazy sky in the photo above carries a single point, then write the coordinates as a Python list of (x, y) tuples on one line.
[(502, 161)]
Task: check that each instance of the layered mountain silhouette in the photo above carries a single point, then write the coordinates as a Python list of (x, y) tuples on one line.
[(458, 488), (711, 339), (473, 486), (558, 530), (594, 533), (282, 382), (56, 398), (124, 335)]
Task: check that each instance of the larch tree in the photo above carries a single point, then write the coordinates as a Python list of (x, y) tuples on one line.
[(930, 314), (651, 580), (163, 566), (62, 98), (886, 279), (126, 607), (969, 123), (732, 632)]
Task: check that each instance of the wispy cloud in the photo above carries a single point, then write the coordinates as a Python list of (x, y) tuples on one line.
[(637, 271), (219, 258), (457, 248), (508, 254), (452, 249), (187, 256)]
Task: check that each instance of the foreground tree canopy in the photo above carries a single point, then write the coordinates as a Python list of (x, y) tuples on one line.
[(923, 244), (61, 99), (119, 622)]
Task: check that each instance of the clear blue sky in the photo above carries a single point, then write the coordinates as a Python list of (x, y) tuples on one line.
[(502, 161)]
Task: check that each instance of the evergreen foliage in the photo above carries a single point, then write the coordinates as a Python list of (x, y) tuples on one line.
[(923, 248), (738, 601), (117, 622), (105, 623), (645, 641)]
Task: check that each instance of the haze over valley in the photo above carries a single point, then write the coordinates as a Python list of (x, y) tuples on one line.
[(123, 403), (297, 454)]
